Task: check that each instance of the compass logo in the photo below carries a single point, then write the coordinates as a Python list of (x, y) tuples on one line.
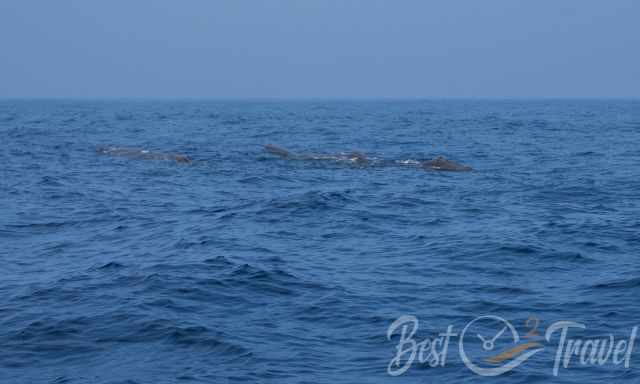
[(515, 351)]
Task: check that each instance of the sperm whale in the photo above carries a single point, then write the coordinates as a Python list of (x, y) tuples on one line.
[(437, 164), (442, 164), (138, 153), (354, 157)]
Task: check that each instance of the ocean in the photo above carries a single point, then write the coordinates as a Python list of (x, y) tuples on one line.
[(245, 267)]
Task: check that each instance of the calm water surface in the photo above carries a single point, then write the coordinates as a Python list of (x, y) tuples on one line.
[(248, 268)]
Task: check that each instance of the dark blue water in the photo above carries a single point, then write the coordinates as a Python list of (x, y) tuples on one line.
[(243, 267)]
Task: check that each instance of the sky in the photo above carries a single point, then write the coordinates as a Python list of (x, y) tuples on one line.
[(319, 48)]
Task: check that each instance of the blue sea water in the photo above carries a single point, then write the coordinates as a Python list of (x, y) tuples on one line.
[(243, 267)]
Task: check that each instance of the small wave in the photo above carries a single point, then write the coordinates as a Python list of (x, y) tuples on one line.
[(53, 224), (503, 290), (124, 116), (588, 153), (620, 284), (539, 123), (219, 261), (233, 122), (520, 249), (8, 118), (515, 124), (325, 307), (575, 257), (192, 336), (110, 266), (315, 200), (49, 181)]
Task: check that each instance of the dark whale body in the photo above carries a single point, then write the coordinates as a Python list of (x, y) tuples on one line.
[(137, 153), (437, 164), (354, 157), (277, 151), (442, 164)]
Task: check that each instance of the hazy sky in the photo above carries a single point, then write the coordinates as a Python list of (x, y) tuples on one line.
[(319, 48)]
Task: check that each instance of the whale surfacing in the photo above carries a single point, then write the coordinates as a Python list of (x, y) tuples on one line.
[(138, 153), (437, 164), (442, 164), (354, 157), (277, 151)]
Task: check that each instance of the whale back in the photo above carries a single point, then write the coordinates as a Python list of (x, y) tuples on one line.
[(358, 157), (143, 154), (277, 151), (442, 164)]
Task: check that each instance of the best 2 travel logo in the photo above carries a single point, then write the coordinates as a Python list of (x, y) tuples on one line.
[(491, 346)]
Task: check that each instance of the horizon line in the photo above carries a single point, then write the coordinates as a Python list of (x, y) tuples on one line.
[(315, 98)]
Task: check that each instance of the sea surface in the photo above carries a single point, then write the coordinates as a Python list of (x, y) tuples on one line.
[(244, 267)]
